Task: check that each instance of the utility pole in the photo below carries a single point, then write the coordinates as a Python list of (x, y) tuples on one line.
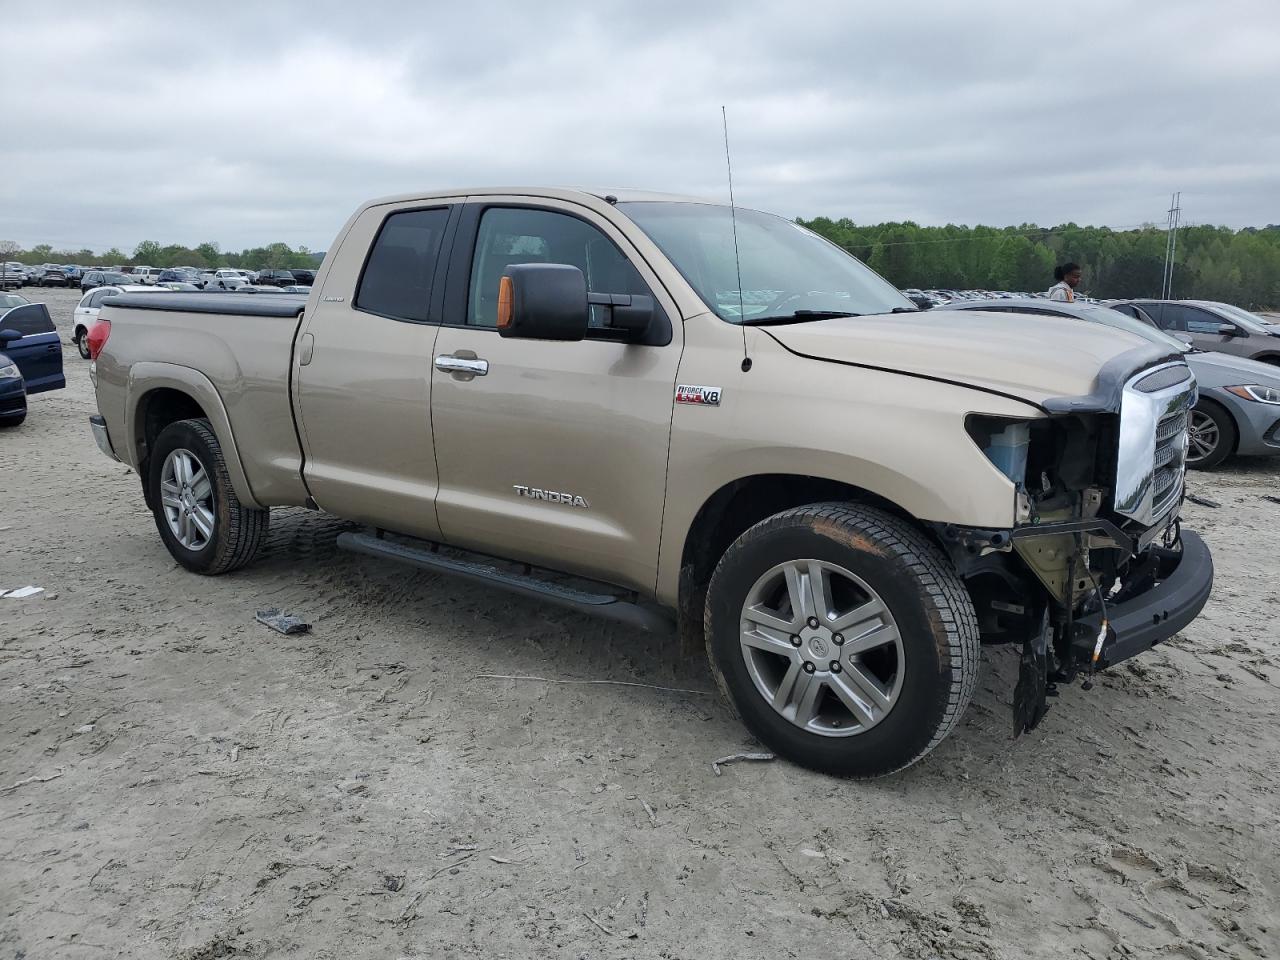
[(1171, 246)]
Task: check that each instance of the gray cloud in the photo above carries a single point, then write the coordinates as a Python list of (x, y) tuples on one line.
[(272, 121)]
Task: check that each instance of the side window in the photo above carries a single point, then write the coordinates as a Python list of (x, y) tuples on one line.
[(96, 298), (1164, 316), (1202, 321), (397, 277), (512, 235)]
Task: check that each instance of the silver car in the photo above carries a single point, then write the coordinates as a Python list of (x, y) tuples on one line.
[(1239, 407)]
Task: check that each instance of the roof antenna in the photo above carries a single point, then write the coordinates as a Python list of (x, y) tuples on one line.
[(737, 263)]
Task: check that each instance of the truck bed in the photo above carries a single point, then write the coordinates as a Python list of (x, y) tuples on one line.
[(236, 349)]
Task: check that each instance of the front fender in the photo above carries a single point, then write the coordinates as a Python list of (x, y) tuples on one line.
[(149, 375)]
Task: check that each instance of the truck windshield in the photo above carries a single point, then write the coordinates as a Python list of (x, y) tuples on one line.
[(788, 271)]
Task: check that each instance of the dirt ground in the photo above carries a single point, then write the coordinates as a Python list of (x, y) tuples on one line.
[(206, 788)]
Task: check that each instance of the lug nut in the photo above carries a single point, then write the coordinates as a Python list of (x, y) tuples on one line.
[(809, 667), (813, 623), (838, 639), (795, 641), (835, 666)]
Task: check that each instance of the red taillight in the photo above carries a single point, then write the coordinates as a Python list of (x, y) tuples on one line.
[(97, 338)]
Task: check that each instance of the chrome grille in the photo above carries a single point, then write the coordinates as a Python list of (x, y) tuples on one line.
[(1151, 464)]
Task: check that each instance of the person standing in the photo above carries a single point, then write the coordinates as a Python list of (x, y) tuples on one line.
[(1068, 277)]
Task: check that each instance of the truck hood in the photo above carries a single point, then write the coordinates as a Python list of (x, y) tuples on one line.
[(1026, 356)]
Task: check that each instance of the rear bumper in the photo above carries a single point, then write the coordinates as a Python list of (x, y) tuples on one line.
[(98, 427), (1161, 611)]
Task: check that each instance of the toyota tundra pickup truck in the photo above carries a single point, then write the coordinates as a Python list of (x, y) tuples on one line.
[(686, 416)]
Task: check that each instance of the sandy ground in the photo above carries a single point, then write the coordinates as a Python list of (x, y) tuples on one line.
[(219, 790)]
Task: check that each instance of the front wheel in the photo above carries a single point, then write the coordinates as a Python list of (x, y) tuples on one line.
[(843, 638), (1211, 436), (201, 520)]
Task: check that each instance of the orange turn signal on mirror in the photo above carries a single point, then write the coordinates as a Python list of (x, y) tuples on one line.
[(506, 294)]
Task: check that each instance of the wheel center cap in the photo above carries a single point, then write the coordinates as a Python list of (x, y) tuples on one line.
[(818, 646)]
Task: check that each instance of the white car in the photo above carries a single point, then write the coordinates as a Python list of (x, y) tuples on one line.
[(86, 312), (226, 279), (147, 275)]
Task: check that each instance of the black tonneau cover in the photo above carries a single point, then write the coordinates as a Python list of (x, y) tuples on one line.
[(244, 304)]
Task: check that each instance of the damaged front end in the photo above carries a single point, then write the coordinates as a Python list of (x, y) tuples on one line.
[(1097, 568)]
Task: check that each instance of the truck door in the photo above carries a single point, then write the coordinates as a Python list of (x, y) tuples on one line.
[(549, 452), (362, 370)]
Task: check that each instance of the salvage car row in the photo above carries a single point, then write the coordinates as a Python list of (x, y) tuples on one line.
[(14, 275)]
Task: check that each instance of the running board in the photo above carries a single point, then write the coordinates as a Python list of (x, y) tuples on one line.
[(607, 605)]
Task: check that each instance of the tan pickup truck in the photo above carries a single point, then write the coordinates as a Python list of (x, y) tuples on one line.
[(687, 417)]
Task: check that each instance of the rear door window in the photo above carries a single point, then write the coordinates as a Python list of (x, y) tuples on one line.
[(400, 271)]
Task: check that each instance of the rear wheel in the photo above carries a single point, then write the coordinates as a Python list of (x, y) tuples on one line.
[(843, 638), (201, 520), (1211, 435), (82, 342)]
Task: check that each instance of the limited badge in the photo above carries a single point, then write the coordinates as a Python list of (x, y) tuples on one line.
[(704, 396)]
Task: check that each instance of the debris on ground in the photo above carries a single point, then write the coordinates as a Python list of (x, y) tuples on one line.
[(21, 593), (282, 622), (1203, 501), (735, 757), (35, 779)]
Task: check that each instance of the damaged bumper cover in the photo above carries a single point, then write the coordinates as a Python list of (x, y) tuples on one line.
[(1181, 589)]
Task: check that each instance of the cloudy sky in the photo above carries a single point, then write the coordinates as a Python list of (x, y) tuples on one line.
[(273, 120)]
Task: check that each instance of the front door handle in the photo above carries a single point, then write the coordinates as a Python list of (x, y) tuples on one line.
[(465, 365)]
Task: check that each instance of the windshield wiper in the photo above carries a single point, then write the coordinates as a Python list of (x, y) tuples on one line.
[(799, 316), (905, 310)]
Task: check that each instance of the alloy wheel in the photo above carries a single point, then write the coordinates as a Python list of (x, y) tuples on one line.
[(186, 494), (822, 648), (1203, 436)]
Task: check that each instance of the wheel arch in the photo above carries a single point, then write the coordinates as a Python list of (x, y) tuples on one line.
[(736, 507), (162, 393)]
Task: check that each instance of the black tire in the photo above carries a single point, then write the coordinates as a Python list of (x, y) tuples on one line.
[(82, 344), (933, 610), (238, 532), (14, 421), (1227, 436)]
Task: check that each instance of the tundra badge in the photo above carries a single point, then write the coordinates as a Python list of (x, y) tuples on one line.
[(551, 496), (703, 396)]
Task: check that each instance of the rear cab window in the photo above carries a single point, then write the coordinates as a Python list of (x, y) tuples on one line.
[(399, 274)]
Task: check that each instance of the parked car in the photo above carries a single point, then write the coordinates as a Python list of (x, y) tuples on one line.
[(225, 279), (13, 277), (180, 286), (298, 288), (73, 272), (85, 314), (13, 390), (850, 503), (179, 275), (93, 279), (276, 278), (29, 340), (303, 277), (1212, 326), (51, 275), (146, 275), (1238, 410)]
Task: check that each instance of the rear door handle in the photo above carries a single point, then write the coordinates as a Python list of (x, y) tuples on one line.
[(475, 367)]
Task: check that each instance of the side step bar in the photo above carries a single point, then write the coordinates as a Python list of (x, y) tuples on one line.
[(607, 605)]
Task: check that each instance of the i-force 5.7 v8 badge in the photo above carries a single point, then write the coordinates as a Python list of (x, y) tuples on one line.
[(703, 396), (551, 496)]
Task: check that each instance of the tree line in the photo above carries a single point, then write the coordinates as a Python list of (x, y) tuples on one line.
[(1212, 263), (275, 256)]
